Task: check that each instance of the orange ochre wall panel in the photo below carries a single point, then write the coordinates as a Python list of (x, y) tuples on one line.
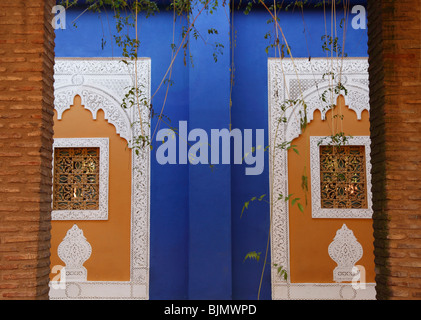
[(110, 239), (310, 237)]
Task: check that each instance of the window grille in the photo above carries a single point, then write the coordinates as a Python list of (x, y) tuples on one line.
[(343, 177), (76, 179)]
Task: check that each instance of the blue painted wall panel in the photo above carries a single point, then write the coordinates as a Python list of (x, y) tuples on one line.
[(209, 188)]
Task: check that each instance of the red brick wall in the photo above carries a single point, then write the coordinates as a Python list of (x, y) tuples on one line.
[(26, 121), (394, 32)]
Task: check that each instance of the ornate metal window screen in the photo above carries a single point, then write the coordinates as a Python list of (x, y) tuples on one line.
[(343, 177), (76, 179)]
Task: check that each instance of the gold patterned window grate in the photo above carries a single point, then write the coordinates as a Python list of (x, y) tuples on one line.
[(343, 177), (76, 179)]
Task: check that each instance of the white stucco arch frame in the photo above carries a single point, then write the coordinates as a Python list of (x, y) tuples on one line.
[(102, 83), (95, 98), (290, 79)]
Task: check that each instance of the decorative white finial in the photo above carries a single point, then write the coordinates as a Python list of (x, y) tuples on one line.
[(345, 250), (74, 250)]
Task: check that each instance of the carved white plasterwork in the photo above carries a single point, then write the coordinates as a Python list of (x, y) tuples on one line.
[(102, 84), (323, 291), (303, 79), (102, 212), (345, 250), (316, 210), (308, 80), (74, 250)]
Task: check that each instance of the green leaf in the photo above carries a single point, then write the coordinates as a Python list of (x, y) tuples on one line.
[(253, 255), (281, 271), (245, 206), (300, 206), (289, 196)]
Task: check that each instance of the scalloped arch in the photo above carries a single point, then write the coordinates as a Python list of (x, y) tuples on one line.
[(356, 100), (94, 99)]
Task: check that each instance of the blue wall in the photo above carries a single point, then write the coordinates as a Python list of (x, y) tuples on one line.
[(198, 240)]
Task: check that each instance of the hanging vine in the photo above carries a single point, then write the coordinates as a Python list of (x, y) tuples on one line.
[(126, 15)]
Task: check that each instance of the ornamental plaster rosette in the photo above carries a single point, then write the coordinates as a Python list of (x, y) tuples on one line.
[(74, 250), (345, 250)]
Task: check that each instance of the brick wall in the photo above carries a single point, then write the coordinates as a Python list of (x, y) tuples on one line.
[(26, 121), (394, 32)]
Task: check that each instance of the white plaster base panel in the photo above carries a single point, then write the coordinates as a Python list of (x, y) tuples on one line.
[(322, 291), (97, 290)]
